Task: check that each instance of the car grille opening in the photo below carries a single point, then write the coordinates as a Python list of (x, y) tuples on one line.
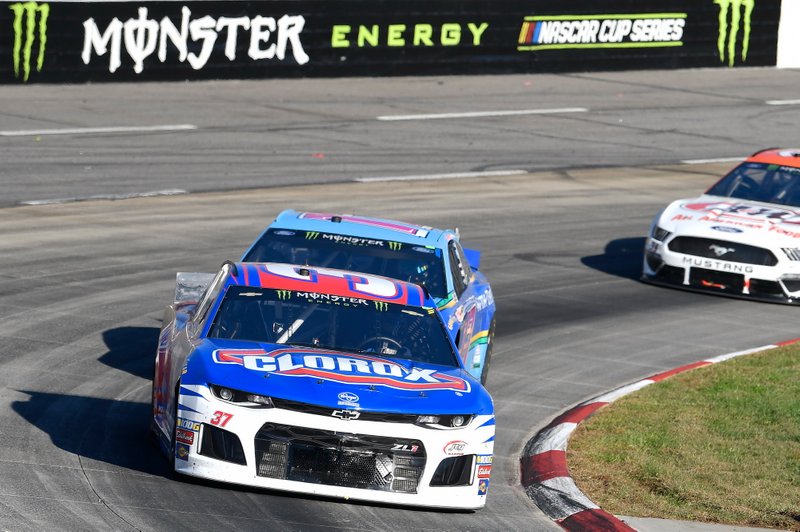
[(221, 445), (454, 471), (670, 274), (339, 459), (762, 287), (714, 280), (722, 250), (792, 285), (654, 262)]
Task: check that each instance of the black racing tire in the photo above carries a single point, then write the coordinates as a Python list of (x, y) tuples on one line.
[(488, 358)]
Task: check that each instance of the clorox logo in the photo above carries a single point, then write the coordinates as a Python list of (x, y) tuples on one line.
[(336, 367)]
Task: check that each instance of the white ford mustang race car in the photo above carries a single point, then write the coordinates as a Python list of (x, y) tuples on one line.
[(740, 238)]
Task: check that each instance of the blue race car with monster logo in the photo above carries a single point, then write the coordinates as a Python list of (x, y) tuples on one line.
[(320, 381), (431, 258)]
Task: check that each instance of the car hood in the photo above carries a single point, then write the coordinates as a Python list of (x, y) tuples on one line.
[(733, 219), (335, 379)]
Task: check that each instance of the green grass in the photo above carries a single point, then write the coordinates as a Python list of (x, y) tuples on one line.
[(718, 444)]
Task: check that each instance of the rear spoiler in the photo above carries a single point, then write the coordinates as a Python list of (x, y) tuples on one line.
[(473, 257)]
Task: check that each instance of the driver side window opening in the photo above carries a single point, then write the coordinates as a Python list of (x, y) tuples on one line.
[(459, 268)]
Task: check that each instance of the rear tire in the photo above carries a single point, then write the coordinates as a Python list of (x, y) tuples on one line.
[(488, 358)]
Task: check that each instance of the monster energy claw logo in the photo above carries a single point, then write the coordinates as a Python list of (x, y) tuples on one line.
[(395, 246), (24, 39), (311, 235), (284, 294), (737, 8), (380, 305)]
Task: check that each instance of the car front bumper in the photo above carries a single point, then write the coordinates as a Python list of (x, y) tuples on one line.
[(385, 462), (779, 283)]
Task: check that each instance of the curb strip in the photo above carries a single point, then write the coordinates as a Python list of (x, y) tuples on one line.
[(543, 464)]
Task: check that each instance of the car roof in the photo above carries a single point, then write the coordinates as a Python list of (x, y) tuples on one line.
[(328, 281), (780, 156), (362, 226)]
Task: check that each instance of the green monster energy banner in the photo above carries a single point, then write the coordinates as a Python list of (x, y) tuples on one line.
[(55, 42)]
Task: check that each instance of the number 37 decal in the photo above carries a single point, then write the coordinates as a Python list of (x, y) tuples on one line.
[(220, 418)]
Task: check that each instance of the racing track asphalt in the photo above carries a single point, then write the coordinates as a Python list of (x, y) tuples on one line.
[(84, 284)]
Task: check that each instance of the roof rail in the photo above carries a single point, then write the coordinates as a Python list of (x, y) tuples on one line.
[(765, 149)]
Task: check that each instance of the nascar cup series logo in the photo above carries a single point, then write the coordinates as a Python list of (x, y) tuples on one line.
[(647, 30), (30, 29)]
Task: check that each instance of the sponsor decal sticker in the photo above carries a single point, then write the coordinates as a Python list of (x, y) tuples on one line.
[(484, 458), (483, 486), (193, 39), (336, 367), (188, 424), (734, 15), (726, 229), (347, 398), (455, 448), (283, 295), (731, 212), (30, 28), (641, 30), (181, 451), (184, 436), (407, 35), (484, 471)]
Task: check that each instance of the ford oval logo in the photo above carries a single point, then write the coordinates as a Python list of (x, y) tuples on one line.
[(726, 229), (348, 397)]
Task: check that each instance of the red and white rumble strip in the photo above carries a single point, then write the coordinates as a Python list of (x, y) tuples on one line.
[(545, 475)]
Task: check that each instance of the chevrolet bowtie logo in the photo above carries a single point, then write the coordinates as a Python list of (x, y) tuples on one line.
[(719, 250), (347, 415)]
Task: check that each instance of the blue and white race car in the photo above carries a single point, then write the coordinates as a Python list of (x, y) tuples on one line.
[(431, 258), (320, 381)]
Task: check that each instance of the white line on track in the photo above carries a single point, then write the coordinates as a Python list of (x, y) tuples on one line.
[(113, 197), (718, 160), (782, 102), (496, 173), (90, 130), (482, 114)]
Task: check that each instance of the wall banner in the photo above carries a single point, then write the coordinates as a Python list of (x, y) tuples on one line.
[(129, 41)]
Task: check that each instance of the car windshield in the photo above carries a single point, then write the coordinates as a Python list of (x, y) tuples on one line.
[(342, 323), (770, 183), (421, 265)]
